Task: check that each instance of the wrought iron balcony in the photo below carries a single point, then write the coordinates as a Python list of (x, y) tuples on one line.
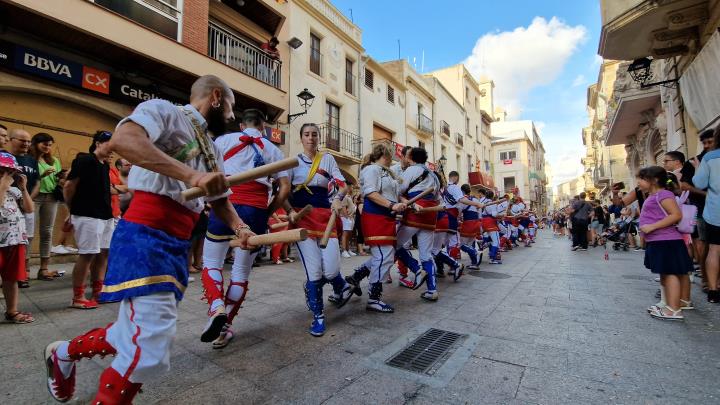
[(425, 123), (459, 139), (242, 55), (445, 128), (339, 140)]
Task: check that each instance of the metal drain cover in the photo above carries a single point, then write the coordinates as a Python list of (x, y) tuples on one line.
[(488, 274), (427, 353)]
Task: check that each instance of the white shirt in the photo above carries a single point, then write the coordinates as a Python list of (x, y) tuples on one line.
[(517, 209), (374, 178), (491, 210), (455, 193), (412, 173), (244, 160), (171, 131), (397, 170), (299, 174), (471, 208)]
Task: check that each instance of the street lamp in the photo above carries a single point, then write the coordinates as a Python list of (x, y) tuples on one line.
[(305, 98), (640, 71), (442, 161)]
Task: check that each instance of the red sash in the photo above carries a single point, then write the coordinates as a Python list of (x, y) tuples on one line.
[(489, 224), (470, 228), (316, 221), (162, 213), (378, 230), (424, 220), (252, 193)]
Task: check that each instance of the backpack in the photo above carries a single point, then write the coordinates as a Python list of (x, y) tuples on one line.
[(689, 213)]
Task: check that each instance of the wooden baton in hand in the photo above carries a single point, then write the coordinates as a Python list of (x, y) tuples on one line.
[(293, 235), (328, 230), (252, 174)]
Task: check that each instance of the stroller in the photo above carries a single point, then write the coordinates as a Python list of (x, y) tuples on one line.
[(619, 233)]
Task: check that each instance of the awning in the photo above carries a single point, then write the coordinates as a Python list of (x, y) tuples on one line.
[(700, 86)]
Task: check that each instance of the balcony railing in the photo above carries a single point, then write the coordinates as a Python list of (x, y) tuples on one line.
[(240, 54), (424, 123), (445, 128), (340, 140), (459, 139)]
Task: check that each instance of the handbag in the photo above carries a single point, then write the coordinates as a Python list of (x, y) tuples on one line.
[(689, 212)]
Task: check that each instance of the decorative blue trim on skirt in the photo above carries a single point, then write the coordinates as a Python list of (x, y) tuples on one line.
[(256, 218), (319, 197)]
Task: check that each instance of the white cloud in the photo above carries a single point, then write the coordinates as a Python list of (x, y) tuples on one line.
[(598, 61), (524, 58), (579, 80)]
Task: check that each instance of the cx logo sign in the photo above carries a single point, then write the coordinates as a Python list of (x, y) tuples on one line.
[(96, 80)]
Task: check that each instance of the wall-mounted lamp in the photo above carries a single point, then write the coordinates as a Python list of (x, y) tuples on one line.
[(305, 98)]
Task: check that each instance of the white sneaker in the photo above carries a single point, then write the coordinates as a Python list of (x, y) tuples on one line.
[(352, 253), (346, 255), (59, 250), (70, 249)]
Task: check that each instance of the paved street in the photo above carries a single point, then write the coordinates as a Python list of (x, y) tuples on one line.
[(548, 326)]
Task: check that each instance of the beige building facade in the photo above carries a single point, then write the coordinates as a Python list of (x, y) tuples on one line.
[(87, 64), (519, 156), (671, 93), (564, 192), (603, 164)]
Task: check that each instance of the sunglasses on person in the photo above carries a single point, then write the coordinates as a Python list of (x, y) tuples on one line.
[(103, 136)]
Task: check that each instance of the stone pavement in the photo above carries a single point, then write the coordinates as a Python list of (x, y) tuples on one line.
[(549, 326)]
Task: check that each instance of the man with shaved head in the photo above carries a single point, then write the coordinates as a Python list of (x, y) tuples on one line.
[(19, 145), (171, 149)]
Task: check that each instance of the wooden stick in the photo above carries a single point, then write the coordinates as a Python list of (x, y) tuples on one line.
[(328, 230), (252, 174), (293, 235), (278, 225), (436, 208), (300, 214)]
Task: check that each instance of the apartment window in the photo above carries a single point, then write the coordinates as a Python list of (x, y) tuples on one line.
[(477, 133), (508, 155), (369, 79), (332, 119), (315, 56), (162, 16), (470, 167), (443, 151), (390, 94), (457, 163), (508, 183), (467, 126), (467, 93), (421, 144), (349, 77)]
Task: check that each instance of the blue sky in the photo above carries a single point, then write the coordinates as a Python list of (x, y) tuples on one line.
[(541, 54)]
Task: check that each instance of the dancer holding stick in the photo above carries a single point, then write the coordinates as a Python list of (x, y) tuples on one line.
[(170, 149), (241, 152), (315, 181)]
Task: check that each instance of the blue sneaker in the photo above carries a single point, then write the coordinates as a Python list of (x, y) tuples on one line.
[(317, 328), (379, 306)]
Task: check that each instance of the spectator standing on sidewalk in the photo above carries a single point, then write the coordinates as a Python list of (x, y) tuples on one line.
[(123, 167), (63, 247), (708, 176), (580, 216), (87, 194), (13, 237), (665, 251), (19, 147), (45, 202), (697, 198), (347, 217), (4, 139)]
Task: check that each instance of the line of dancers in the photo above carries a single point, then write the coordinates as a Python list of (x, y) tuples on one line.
[(172, 149)]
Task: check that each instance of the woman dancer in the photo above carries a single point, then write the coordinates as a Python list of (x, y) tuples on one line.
[(314, 181), (381, 202)]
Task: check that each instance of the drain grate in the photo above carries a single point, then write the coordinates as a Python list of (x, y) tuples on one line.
[(428, 352)]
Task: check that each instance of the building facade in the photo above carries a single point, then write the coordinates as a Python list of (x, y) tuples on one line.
[(70, 68), (519, 156), (603, 164), (327, 64), (669, 94)]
